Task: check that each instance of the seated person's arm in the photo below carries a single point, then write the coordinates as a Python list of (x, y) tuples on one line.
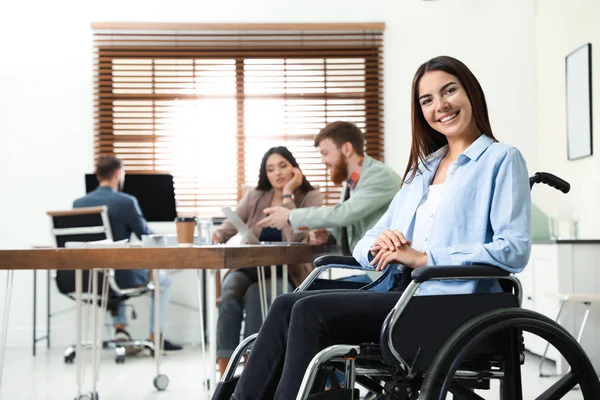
[(136, 220), (313, 198), (374, 193)]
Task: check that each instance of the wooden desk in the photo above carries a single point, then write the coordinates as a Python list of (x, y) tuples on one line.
[(210, 258), (197, 257)]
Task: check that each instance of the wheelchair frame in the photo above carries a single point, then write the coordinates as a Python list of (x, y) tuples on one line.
[(406, 382)]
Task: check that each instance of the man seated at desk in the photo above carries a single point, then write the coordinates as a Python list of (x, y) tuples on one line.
[(126, 217)]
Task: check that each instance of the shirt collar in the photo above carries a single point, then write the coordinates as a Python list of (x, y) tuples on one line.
[(478, 147), (473, 151), (355, 176)]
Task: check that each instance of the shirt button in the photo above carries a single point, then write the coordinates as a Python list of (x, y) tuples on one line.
[(430, 215), (507, 250)]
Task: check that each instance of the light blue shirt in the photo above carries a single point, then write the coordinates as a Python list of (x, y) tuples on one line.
[(484, 216)]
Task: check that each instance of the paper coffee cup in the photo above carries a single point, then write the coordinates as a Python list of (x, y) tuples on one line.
[(185, 230)]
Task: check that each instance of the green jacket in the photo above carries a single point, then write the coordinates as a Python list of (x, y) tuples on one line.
[(376, 187)]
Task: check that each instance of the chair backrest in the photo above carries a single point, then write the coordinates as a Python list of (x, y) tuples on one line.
[(90, 224)]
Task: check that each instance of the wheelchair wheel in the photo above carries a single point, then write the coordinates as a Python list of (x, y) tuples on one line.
[(439, 379)]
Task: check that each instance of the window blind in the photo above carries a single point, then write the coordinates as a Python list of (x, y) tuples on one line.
[(205, 105)]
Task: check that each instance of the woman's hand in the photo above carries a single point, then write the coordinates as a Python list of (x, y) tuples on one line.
[(389, 240), (293, 183), (318, 237), (404, 255), (216, 237)]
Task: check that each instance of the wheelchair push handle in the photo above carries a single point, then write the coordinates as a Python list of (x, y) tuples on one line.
[(550, 180)]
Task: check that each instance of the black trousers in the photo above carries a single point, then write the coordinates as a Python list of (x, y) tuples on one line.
[(301, 324)]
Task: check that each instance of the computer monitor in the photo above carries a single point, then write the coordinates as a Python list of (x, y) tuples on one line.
[(154, 192)]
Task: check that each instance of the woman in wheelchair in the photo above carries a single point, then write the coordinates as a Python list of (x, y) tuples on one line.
[(465, 199)]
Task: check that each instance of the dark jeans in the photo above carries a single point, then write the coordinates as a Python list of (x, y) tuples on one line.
[(240, 292), (301, 324)]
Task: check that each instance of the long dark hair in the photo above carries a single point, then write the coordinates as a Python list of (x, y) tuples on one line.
[(425, 139), (263, 181)]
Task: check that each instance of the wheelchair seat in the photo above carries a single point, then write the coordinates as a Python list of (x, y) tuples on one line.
[(472, 339)]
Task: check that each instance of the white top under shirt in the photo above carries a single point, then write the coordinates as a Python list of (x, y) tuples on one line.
[(425, 215)]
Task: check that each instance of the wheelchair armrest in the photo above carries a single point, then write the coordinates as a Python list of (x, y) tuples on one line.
[(324, 263), (339, 260), (424, 274)]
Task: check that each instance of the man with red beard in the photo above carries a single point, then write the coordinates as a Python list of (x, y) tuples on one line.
[(369, 187)]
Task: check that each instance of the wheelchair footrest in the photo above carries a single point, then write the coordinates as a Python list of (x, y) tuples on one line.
[(336, 394)]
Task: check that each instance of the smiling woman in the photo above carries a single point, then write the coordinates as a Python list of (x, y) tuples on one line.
[(465, 200), (449, 107)]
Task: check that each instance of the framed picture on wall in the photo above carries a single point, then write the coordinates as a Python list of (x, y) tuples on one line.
[(579, 102)]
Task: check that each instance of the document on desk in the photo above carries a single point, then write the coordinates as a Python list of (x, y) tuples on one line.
[(245, 232)]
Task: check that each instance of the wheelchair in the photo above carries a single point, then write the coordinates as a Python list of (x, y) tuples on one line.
[(462, 343)]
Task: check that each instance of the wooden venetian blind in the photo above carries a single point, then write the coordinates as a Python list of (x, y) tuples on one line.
[(204, 103)]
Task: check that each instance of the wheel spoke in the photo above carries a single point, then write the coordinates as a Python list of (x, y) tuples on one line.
[(512, 387), (562, 386)]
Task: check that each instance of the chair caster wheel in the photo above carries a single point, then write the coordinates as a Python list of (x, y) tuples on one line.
[(161, 382), (120, 359), (70, 358), (89, 396)]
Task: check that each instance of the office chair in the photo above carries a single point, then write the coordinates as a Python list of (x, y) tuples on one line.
[(85, 225)]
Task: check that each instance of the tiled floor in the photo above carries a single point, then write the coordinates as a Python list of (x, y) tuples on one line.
[(47, 377)]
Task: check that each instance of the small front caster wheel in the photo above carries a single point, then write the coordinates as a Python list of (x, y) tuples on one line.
[(161, 382), (69, 357)]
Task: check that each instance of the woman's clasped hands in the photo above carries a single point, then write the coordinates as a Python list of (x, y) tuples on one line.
[(392, 247)]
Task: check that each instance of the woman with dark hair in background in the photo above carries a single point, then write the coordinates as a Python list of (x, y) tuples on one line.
[(280, 183)]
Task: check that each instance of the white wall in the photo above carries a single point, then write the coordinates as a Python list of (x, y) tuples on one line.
[(46, 93), (563, 26)]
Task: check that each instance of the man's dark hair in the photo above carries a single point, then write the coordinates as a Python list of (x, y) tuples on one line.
[(107, 166), (341, 132)]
